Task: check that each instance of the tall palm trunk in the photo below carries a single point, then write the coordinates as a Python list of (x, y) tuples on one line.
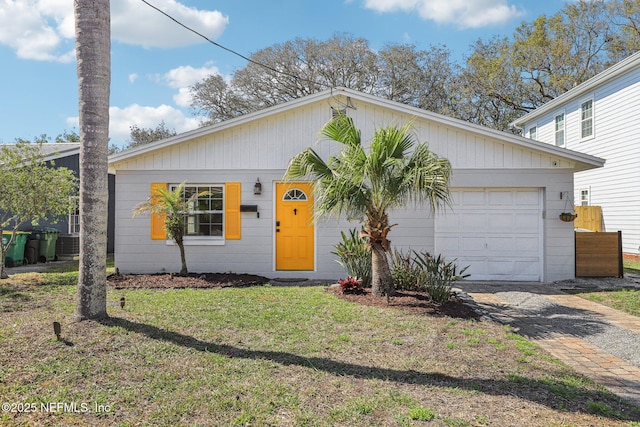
[(381, 280), (93, 47)]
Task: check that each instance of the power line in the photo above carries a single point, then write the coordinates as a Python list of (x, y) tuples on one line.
[(231, 50)]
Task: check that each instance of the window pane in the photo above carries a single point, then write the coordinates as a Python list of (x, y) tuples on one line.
[(559, 129), (587, 119), (202, 204), (205, 215)]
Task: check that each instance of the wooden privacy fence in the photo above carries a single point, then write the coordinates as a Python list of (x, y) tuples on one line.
[(589, 218), (599, 254)]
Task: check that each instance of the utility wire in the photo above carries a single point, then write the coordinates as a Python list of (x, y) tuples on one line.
[(231, 50)]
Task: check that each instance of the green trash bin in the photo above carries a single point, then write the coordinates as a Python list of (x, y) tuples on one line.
[(15, 253), (48, 238)]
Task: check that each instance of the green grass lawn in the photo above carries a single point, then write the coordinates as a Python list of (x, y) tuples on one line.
[(627, 300), (266, 355), (632, 267)]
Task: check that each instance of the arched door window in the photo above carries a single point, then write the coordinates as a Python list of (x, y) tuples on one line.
[(294, 195)]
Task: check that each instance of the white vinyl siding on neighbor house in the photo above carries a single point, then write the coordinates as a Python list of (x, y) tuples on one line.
[(615, 102), (559, 130)]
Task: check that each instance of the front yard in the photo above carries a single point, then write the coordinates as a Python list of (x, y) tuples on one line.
[(267, 355)]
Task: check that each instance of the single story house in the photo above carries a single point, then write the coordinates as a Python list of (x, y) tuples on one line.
[(504, 221), (600, 117)]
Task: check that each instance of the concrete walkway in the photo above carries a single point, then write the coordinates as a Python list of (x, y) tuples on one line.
[(597, 341)]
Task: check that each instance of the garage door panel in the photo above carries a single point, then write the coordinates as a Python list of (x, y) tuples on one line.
[(473, 244), (448, 244), (500, 221), (500, 198), (472, 198), (527, 199), (527, 223), (497, 232)]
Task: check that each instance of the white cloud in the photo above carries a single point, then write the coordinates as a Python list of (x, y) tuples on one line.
[(462, 13), (133, 22), (133, 77), (121, 120), (44, 29), (183, 77)]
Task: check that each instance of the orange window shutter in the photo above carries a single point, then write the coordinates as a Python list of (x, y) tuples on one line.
[(232, 210), (158, 230)]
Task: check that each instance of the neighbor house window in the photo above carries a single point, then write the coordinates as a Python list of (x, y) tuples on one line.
[(205, 216), (533, 132), (586, 119), (559, 129), (74, 215), (584, 197)]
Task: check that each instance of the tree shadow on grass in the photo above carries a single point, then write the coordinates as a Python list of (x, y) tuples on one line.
[(533, 390)]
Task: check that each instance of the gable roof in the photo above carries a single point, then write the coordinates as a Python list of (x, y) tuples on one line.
[(57, 150), (611, 73), (584, 161)]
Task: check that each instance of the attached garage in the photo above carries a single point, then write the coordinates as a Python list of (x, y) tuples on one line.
[(507, 194), (497, 232)]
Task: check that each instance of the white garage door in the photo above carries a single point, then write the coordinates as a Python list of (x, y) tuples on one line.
[(497, 232)]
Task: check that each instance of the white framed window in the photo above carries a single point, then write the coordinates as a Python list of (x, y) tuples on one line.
[(74, 215), (533, 132), (586, 119), (584, 197), (204, 219), (559, 129)]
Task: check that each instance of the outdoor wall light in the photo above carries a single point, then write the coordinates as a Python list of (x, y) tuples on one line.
[(257, 188)]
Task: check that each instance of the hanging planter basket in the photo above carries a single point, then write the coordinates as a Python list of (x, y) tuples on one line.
[(568, 216)]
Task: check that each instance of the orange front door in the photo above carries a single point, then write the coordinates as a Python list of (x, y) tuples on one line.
[(294, 226)]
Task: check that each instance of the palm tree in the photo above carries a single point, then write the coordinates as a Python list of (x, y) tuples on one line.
[(174, 207), (93, 50), (365, 186)]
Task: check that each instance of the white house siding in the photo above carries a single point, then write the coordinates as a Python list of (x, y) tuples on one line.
[(260, 146), (616, 187)]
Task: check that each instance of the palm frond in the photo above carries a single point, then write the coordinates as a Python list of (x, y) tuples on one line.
[(341, 129)]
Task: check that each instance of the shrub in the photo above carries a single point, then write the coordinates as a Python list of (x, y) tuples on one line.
[(354, 256), (423, 272), (441, 275), (351, 285), (406, 274)]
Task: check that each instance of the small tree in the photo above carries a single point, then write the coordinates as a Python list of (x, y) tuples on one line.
[(365, 185), (30, 191), (174, 206)]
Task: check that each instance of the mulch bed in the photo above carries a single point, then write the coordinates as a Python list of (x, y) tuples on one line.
[(192, 280), (414, 302)]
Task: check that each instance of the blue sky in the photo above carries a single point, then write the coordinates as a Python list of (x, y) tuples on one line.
[(155, 61)]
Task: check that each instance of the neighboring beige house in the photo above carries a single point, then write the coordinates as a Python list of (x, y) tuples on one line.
[(600, 118), (503, 222)]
